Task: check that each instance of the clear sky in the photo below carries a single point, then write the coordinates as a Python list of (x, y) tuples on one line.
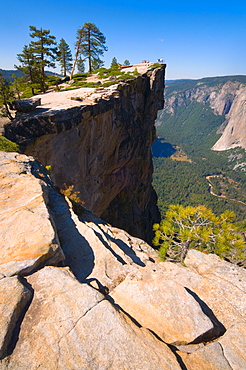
[(195, 38)]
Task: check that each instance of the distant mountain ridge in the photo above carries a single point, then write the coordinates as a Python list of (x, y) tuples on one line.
[(225, 95), (199, 115), (8, 73)]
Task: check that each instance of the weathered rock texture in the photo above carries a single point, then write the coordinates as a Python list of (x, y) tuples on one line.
[(27, 236), (112, 304), (100, 142), (235, 132), (25, 105)]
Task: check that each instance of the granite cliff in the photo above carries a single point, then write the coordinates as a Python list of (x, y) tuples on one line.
[(99, 141), (226, 96), (77, 293)]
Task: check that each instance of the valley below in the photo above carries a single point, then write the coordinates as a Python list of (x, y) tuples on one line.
[(192, 121)]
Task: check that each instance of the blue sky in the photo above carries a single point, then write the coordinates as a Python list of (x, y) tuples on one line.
[(195, 38)]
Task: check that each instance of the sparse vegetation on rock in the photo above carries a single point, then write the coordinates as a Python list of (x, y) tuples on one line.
[(198, 228)]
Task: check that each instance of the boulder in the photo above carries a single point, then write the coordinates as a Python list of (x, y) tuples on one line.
[(27, 236), (71, 325), (165, 307), (25, 105), (218, 285)]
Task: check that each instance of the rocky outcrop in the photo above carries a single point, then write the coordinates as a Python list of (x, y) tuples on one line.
[(99, 141), (27, 236), (105, 301), (225, 98), (219, 96), (25, 105), (234, 132)]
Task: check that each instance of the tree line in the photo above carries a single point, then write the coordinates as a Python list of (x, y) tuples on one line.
[(44, 52)]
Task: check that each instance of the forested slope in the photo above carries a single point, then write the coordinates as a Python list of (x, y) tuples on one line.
[(191, 120)]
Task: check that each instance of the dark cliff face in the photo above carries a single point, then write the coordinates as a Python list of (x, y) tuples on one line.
[(103, 149)]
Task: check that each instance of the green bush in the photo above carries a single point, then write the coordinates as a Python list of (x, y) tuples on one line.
[(53, 80), (199, 228), (81, 75), (7, 145), (155, 65), (109, 83)]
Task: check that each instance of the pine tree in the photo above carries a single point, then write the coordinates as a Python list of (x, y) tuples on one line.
[(18, 85), (6, 95), (91, 44), (45, 55), (199, 228), (126, 63), (64, 57), (114, 62), (80, 65), (28, 66), (96, 63)]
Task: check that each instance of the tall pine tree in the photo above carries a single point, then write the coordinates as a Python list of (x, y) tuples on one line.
[(64, 57), (6, 95), (28, 66), (114, 62), (80, 65), (44, 51), (91, 44)]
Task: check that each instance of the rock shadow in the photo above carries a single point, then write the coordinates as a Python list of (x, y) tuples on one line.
[(217, 331), (125, 249), (90, 217), (17, 327), (106, 245), (79, 256)]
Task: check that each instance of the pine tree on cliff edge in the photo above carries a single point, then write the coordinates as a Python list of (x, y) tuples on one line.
[(44, 51), (64, 57), (91, 44)]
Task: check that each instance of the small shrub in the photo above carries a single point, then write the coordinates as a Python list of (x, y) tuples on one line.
[(73, 196), (126, 76), (53, 80), (136, 73), (155, 65), (81, 75), (79, 78), (109, 83), (48, 169), (7, 145)]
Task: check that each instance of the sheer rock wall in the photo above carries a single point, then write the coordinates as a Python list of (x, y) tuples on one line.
[(100, 142)]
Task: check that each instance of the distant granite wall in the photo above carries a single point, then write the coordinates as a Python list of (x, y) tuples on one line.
[(103, 149)]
